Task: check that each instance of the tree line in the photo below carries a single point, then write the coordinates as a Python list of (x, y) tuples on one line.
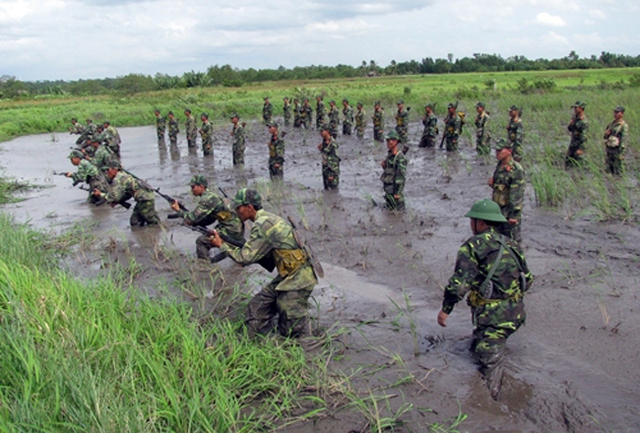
[(228, 76)]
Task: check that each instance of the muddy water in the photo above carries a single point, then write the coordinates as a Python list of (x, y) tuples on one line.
[(574, 367)]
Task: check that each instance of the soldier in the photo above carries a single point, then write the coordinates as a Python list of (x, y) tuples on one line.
[(125, 186), (210, 208), (615, 142), (508, 190), (174, 129), (515, 132), (347, 112), (361, 120), (192, 129), (334, 118), (483, 136), (394, 173), (578, 127), (287, 111), (402, 124), (88, 131), (206, 133), (161, 126), (430, 131), (330, 159), (452, 125), (297, 113), (306, 114), (288, 293), (112, 137), (378, 121), (267, 111), (88, 173), (101, 154), (237, 146), (276, 152), (76, 128), (493, 270), (320, 112)]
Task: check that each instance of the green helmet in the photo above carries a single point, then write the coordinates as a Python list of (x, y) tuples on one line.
[(393, 135), (247, 196), (502, 144), (486, 210), (76, 154), (199, 179)]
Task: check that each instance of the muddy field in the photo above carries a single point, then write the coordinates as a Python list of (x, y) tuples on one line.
[(574, 367)]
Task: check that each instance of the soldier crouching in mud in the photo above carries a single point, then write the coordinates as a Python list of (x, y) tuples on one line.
[(493, 270)]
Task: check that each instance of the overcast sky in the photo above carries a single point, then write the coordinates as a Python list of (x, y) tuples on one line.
[(62, 39)]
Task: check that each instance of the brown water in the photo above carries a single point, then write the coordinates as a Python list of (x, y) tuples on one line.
[(574, 367)]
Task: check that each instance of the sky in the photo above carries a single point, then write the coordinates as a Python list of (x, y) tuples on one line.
[(85, 39)]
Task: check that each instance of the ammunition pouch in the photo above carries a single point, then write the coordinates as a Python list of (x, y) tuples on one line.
[(289, 261), (223, 216), (475, 299), (272, 152), (612, 142), (500, 195)]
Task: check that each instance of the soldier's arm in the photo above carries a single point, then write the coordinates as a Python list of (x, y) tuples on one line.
[(516, 194), (400, 177), (256, 247), (462, 280)]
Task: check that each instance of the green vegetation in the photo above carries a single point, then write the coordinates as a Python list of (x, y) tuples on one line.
[(8, 187)]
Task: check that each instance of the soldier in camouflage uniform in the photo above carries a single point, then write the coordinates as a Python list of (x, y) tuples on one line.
[(288, 293), (101, 155), (306, 114), (347, 112), (615, 142), (206, 133), (452, 125), (161, 126), (112, 137), (361, 120), (237, 146), (330, 159), (88, 131), (378, 121), (515, 132), (394, 174), (174, 129), (320, 112), (276, 153), (430, 132), (287, 111), (76, 128), (334, 118), (191, 129), (88, 173), (493, 270), (508, 190), (297, 113), (267, 111), (402, 124), (483, 136), (578, 127), (125, 186), (210, 208)]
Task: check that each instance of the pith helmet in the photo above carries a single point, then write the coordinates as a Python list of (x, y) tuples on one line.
[(199, 179), (501, 144), (579, 104), (393, 135), (247, 196), (76, 154), (486, 210)]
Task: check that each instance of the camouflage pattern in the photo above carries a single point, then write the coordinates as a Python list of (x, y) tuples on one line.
[(515, 135), (276, 157), (393, 179), (483, 135), (306, 114), (430, 131), (76, 128), (402, 124), (267, 111), (88, 173), (347, 123), (361, 121), (192, 131), (238, 144), (88, 131), (334, 120), (330, 164), (287, 108), (320, 113), (124, 186), (288, 293), (206, 133), (161, 126), (174, 130), (378, 124), (578, 128), (210, 208), (497, 307), (508, 192), (297, 114), (452, 125), (101, 156), (615, 149)]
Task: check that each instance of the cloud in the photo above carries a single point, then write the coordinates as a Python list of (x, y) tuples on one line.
[(597, 14), (546, 19), (552, 38)]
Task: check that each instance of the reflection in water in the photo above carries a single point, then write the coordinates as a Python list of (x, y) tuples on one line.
[(175, 152), (162, 152)]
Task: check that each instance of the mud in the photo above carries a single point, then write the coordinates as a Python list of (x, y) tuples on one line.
[(574, 367)]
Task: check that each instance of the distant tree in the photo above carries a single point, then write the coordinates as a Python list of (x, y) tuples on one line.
[(136, 83)]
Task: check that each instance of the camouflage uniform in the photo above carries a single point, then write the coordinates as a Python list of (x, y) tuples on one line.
[(88, 173), (508, 192), (161, 126), (88, 131), (578, 129), (206, 132), (174, 130), (430, 132), (76, 128), (483, 136), (402, 124), (515, 135), (306, 114), (334, 120), (452, 125), (497, 307), (378, 124), (211, 208), (320, 112), (330, 164), (123, 187), (297, 114), (347, 124), (276, 156), (287, 112), (238, 144), (361, 121), (192, 131), (615, 144), (112, 138), (102, 156), (267, 111), (288, 293), (393, 179)]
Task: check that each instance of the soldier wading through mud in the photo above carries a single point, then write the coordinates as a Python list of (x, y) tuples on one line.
[(493, 270)]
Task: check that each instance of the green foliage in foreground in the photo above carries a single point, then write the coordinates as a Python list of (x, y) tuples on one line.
[(8, 187), (80, 356)]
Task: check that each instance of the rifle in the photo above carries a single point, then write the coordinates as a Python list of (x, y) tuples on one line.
[(223, 192), (146, 185), (60, 173)]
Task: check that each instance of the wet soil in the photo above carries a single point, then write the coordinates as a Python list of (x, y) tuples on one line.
[(574, 367)]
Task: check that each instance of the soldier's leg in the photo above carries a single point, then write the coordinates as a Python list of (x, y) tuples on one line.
[(147, 211), (424, 141), (203, 245), (136, 218), (293, 312), (262, 309)]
